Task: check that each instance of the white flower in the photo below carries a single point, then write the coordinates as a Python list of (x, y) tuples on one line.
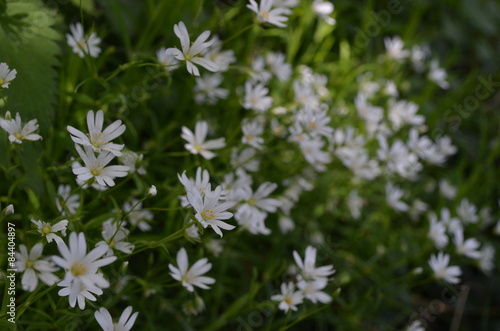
[(34, 268), (191, 276), (246, 159), (439, 264), (311, 149), (445, 147), (98, 139), (286, 224), (258, 201), (391, 89), (268, 15), (152, 191), (393, 196), (305, 94), (194, 307), (259, 74), (418, 56), (133, 161), (485, 215), (395, 48), (367, 86), (48, 230), (9, 210), (308, 268), (276, 62), (286, 3), (95, 167), (81, 279), (251, 133), (192, 53), (415, 326), (6, 75), (451, 223), (314, 122), (323, 9), (136, 216), (196, 142), (233, 182), (467, 212), (486, 260), (404, 112), (447, 190), (192, 233), (437, 232), (312, 290), (468, 247), (83, 45), (496, 229), (200, 183), (222, 58), (286, 204), (355, 202), (167, 59), (398, 158), (114, 238), (253, 221), (209, 212), (215, 246), (357, 159), (125, 323), (438, 75), (289, 298), (67, 201), (366, 111), (83, 184), (256, 97), (18, 133), (207, 89)]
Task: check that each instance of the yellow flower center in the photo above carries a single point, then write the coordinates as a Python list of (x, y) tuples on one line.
[(251, 202), (29, 264), (197, 148), (95, 172), (208, 214), (313, 125), (288, 300), (77, 269), (18, 135), (264, 15), (81, 45), (46, 230), (249, 137), (112, 244), (97, 141)]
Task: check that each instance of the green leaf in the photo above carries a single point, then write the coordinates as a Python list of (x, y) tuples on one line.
[(30, 45)]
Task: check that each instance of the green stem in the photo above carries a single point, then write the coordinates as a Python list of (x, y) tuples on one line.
[(239, 32)]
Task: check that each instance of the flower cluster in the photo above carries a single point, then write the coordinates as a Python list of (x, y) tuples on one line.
[(286, 141), (98, 151), (311, 281)]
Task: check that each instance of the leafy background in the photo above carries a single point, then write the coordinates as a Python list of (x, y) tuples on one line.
[(56, 87)]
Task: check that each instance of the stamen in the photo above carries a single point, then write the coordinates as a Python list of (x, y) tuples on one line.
[(78, 269)]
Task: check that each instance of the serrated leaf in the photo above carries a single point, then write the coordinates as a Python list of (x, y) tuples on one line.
[(30, 45)]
